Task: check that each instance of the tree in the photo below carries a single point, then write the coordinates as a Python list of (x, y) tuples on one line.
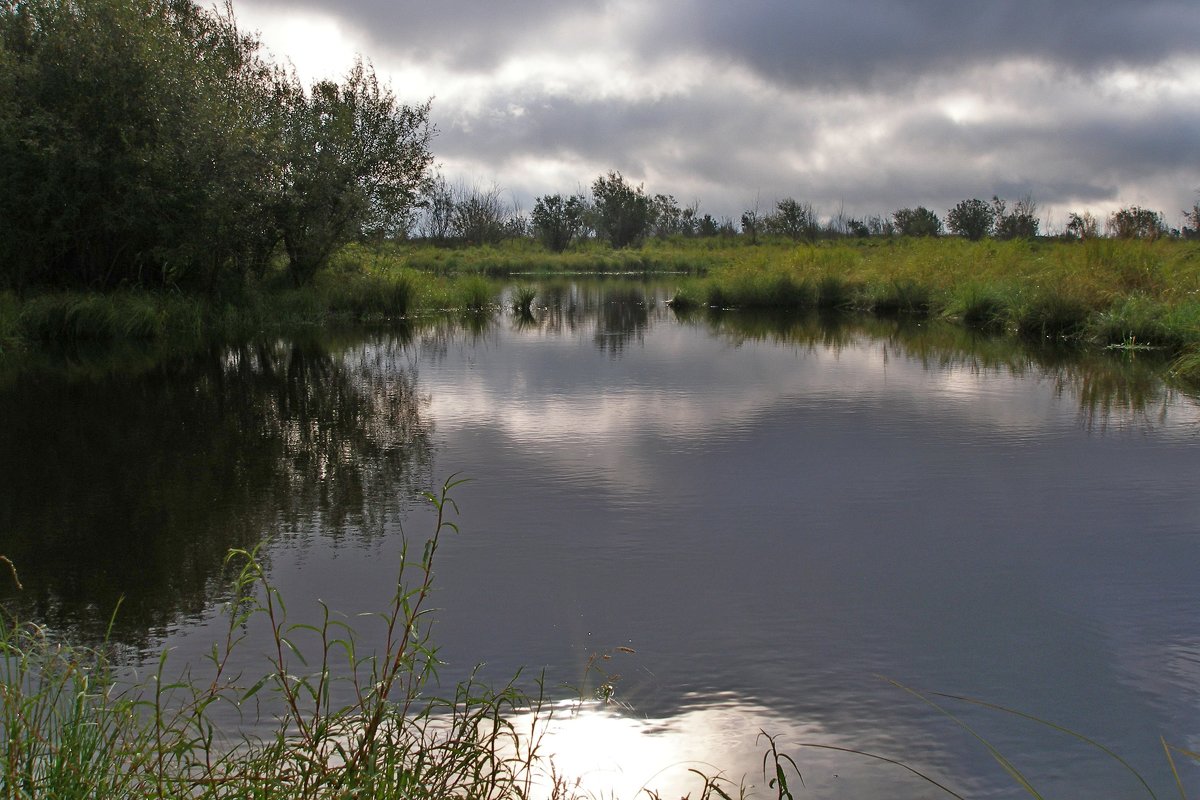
[(919, 221), (857, 228), (135, 144), (793, 219), (623, 212), (356, 162), (751, 222), (437, 205), (556, 220), (481, 216), (970, 218), (1136, 222), (1191, 222), (708, 226), (1019, 223), (880, 226), (1081, 226)]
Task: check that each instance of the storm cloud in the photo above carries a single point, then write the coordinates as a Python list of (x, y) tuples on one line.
[(863, 106)]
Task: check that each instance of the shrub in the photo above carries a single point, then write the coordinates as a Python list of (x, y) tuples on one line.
[(919, 221), (970, 218)]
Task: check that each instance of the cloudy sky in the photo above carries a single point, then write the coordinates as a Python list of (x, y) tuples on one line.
[(861, 105)]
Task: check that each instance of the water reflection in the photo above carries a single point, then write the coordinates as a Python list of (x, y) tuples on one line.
[(772, 510), (135, 485), (1110, 388)]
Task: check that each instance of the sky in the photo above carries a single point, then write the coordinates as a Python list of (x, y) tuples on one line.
[(860, 106)]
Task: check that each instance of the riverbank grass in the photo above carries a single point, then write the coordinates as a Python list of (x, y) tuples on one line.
[(75, 725), (1110, 293)]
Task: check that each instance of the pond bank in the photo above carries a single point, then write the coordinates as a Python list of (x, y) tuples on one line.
[(1109, 293)]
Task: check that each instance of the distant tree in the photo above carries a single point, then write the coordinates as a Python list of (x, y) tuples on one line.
[(794, 219), (919, 221), (481, 215), (880, 226), (1081, 226), (1136, 222), (1020, 222), (689, 219), (666, 217), (708, 226), (437, 204), (970, 218), (857, 228), (556, 220), (356, 165), (622, 211), (1191, 222), (751, 222), (838, 225)]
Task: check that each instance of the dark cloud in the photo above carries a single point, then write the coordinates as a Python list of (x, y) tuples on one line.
[(793, 42), (884, 42)]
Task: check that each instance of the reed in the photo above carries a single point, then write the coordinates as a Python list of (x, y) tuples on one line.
[(522, 299), (73, 728)]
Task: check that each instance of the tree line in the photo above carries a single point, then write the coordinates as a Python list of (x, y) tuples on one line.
[(624, 215)]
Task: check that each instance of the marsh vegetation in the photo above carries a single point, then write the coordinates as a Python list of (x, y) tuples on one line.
[(233, 308)]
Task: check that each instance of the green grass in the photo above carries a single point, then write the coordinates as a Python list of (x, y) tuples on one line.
[(72, 728), (522, 298), (1130, 294)]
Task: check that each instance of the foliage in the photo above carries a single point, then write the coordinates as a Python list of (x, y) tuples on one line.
[(557, 220), (794, 219), (437, 207), (1191, 222), (1081, 226), (623, 212), (971, 218), (133, 143), (1020, 222), (919, 221), (481, 215), (355, 163), (1135, 222), (667, 218), (752, 222), (146, 142)]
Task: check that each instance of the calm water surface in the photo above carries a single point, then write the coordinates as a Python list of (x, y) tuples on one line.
[(776, 515)]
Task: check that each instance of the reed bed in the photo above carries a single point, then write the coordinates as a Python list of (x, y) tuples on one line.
[(1114, 293)]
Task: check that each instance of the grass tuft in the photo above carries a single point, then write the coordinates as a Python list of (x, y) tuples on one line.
[(522, 299)]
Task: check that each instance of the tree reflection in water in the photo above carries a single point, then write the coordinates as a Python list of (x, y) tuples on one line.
[(135, 487)]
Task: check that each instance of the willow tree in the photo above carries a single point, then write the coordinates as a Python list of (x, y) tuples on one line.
[(146, 142), (355, 162), (131, 143)]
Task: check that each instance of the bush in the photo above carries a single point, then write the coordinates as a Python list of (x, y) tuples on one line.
[(919, 221), (970, 218)]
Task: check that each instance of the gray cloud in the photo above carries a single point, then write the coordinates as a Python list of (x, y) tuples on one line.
[(867, 104), (465, 34), (881, 41)]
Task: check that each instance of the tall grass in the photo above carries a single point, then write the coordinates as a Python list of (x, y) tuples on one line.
[(1111, 293), (73, 728)]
